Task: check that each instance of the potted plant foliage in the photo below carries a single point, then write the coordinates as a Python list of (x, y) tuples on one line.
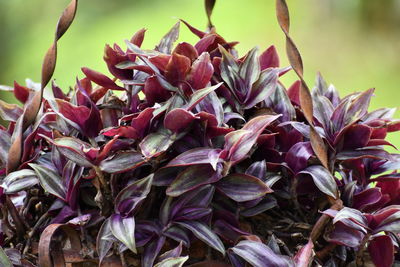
[(191, 154)]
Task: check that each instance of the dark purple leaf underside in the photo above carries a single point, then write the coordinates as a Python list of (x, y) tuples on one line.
[(381, 250), (128, 198), (322, 179), (122, 161), (192, 178), (196, 156), (242, 187)]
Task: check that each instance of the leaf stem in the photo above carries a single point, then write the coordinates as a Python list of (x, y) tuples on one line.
[(226, 169), (361, 249), (101, 177), (323, 221)]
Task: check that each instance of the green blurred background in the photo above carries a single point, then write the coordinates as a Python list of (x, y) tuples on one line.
[(355, 44)]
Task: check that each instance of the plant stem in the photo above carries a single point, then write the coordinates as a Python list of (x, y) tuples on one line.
[(226, 169), (323, 221), (361, 249), (101, 177), (33, 231)]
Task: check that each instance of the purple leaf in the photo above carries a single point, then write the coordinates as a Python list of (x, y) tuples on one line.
[(238, 143), (19, 180), (192, 178), (205, 42), (323, 179), (359, 106), (124, 230), (156, 143), (122, 161), (165, 176), (80, 220), (5, 143), (195, 31), (263, 205), (192, 213), (50, 181), (364, 153), (212, 104), (263, 88), (231, 141), (172, 262), (382, 251), (200, 198), (166, 43), (201, 72), (390, 223), (323, 110), (154, 92), (258, 169), (101, 79), (298, 155), (187, 50), (197, 156), (233, 185), (385, 213), (178, 234), (73, 149), (104, 240), (120, 131), (178, 119), (10, 112), (229, 69), (354, 136), (173, 253), (269, 58), (151, 251), (21, 92), (346, 236), (205, 234), (76, 116), (304, 257), (258, 254), (249, 70), (138, 37), (227, 231), (280, 103), (231, 116), (145, 231), (199, 95), (366, 198), (177, 68), (351, 217), (132, 195)]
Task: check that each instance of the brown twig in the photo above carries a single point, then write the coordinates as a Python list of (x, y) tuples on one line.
[(361, 249), (323, 253), (323, 221), (33, 231)]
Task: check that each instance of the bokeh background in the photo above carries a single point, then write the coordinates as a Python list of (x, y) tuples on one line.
[(355, 44)]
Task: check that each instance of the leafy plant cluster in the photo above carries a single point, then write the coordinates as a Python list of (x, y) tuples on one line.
[(195, 155)]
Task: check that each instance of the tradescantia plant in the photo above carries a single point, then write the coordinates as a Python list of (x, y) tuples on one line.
[(194, 155)]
